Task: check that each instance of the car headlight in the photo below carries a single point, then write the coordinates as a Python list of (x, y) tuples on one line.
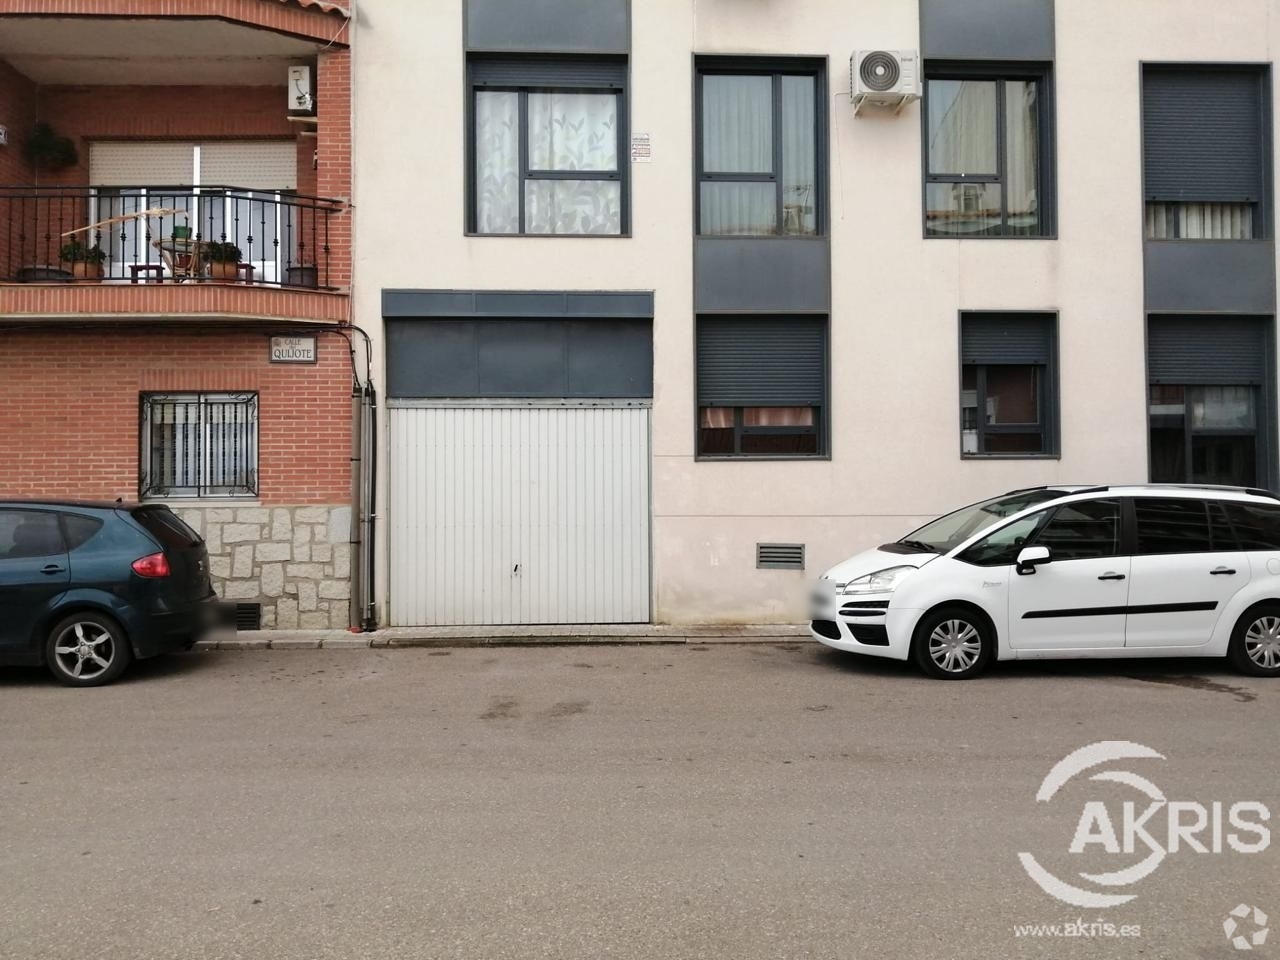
[(882, 581)]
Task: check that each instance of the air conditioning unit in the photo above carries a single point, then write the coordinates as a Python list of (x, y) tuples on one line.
[(884, 78)]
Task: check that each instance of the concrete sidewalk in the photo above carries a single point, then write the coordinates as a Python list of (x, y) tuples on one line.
[(506, 636)]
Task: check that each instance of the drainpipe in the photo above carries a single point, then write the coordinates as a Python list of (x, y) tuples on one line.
[(370, 513), (357, 506)]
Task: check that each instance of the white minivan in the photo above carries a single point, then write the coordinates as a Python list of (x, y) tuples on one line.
[(1052, 572)]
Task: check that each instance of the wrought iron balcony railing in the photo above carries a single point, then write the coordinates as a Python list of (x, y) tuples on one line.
[(148, 234)]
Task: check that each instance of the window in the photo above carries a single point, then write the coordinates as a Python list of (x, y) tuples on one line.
[(1257, 525), (199, 445), (1204, 152), (29, 533), (1007, 385), (1204, 434), (1002, 547), (762, 386), (987, 153), (1173, 526), (549, 146), (1083, 531), (759, 131), (79, 530)]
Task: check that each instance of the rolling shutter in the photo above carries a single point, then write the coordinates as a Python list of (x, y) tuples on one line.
[(773, 361), (1206, 350), (544, 72), (263, 165), (1202, 135), (141, 164), (1006, 339)]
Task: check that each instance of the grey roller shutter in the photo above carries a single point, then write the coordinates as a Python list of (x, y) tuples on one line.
[(762, 361), (548, 72), (1202, 135), (1206, 350), (1006, 339)]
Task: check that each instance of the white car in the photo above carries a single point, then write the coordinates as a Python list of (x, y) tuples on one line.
[(1122, 571)]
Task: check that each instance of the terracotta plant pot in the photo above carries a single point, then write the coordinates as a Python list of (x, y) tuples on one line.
[(84, 270), (224, 270)]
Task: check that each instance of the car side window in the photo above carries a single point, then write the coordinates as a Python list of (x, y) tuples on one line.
[(1256, 524), (79, 530), (29, 533), (1086, 530), (1002, 547), (1172, 526)]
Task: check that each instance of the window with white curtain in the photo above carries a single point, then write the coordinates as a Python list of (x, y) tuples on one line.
[(199, 445), (758, 136), (548, 151), (986, 146)]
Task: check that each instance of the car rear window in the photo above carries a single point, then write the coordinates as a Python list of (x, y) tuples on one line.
[(79, 530), (167, 528), (1257, 525)]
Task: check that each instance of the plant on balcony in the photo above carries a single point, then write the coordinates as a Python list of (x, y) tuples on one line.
[(86, 262), (46, 150), (224, 260)]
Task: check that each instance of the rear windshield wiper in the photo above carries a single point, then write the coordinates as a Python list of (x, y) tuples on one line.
[(919, 545)]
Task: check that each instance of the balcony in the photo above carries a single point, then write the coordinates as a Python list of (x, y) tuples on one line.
[(165, 236)]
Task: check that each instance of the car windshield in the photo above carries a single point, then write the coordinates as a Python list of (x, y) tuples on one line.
[(948, 532)]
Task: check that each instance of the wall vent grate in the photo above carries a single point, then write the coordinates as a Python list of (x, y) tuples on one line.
[(248, 616), (780, 556)]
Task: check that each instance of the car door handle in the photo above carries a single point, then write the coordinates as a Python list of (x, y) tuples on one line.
[(1222, 572), (52, 568), (1109, 575)]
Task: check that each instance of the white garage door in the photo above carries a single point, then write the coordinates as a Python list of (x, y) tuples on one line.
[(519, 515)]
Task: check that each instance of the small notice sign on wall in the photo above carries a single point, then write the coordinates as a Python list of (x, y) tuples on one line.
[(293, 349), (641, 148)]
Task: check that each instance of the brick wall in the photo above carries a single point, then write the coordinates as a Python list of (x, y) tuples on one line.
[(69, 408)]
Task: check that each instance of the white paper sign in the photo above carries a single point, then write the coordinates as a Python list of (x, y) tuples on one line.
[(641, 148)]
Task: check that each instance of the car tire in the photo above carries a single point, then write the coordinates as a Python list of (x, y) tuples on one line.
[(87, 650), (953, 643), (1255, 641)]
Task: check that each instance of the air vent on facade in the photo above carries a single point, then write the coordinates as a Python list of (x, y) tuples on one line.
[(248, 616), (780, 556)]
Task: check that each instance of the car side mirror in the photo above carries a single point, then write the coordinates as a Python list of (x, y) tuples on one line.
[(1032, 557)]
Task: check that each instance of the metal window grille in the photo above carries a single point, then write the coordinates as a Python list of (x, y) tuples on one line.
[(199, 445)]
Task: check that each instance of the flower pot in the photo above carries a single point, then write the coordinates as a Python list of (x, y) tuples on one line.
[(181, 233), (85, 270), (224, 270), (306, 276)]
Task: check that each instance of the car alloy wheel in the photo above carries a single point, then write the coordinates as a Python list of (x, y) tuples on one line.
[(955, 645), (1262, 642), (87, 650)]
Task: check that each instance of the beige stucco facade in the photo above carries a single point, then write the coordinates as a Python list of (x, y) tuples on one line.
[(896, 297)]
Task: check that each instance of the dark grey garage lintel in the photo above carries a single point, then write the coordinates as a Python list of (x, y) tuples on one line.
[(528, 304), (549, 26), (986, 29)]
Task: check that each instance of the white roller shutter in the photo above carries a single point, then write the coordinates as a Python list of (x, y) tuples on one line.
[(519, 515), (117, 164), (264, 165)]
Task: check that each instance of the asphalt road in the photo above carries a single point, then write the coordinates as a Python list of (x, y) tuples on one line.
[(634, 802)]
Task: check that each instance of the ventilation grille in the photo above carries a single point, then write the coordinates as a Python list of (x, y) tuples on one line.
[(780, 556), (248, 616)]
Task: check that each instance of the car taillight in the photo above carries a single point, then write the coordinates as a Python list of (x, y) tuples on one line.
[(155, 565)]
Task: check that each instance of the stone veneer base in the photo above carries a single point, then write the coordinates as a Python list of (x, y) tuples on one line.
[(295, 561)]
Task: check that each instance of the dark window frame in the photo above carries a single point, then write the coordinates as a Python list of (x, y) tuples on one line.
[(1263, 207), (775, 68), (148, 489), (622, 175), (1046, 188), (1049, 388), (822, 410)]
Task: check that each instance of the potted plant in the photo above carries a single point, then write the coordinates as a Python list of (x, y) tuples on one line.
[(86, 262), (224, 260), (47, 150)]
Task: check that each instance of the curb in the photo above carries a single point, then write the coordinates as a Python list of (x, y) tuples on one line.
[(462, 637)]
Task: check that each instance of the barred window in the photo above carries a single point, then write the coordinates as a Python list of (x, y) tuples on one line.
[(199, 445)]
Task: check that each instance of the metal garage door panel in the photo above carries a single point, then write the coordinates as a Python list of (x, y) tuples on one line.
[(519, 515)]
